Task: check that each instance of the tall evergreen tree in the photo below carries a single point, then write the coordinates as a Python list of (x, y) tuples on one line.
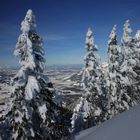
[(137, 64), (91, 81), (91, 67), (129, 76), (33, 115), (113, 65)]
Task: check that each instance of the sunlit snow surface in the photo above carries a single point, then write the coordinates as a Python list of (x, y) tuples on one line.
[(125, 126)]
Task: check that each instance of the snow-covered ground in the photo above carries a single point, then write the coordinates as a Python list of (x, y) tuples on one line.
[(125, 126)]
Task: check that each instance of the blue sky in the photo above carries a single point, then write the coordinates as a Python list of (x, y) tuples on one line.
[(63, 25)]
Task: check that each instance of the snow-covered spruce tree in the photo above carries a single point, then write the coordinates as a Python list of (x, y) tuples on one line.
[(113, 74), (128, 75), (91, 82), (137, 65), (33, 115), (127, 41)]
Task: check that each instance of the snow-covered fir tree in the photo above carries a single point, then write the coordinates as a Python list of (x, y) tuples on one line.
[(128, 75), (113, 74), (91, 81), (91, 68), (137, 65), (33, 115)]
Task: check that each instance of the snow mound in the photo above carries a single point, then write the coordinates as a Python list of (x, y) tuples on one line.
[(125, 126)]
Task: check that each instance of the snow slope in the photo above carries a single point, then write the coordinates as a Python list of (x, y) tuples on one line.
[(125, 126)]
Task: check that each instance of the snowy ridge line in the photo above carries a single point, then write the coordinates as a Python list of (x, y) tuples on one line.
[(124, 126)]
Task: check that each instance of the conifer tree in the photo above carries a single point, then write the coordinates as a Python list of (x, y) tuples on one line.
[(91, 63), (113, 74), (137, 65), (91, 81), (128, 75), (33, 115)]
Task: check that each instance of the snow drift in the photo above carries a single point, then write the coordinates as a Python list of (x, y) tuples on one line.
[(125, 126)]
